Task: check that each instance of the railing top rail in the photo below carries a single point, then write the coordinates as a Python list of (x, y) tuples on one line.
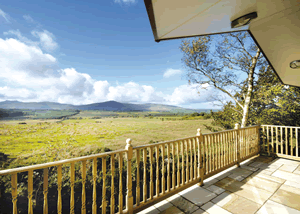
[(230, 130), (56, 163), (164, 142), (187, 138), (282, 126)]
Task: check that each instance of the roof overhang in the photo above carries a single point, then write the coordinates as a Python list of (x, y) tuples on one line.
[(276, 30)]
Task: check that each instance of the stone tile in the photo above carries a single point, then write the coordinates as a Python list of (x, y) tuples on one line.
[(188, 189), (288, 168), (173, 198), (241, 205), (293, 184), (287, 176), (240, 172), (287, 198), (287, 161), (258, 164), (200, 211), (215, 189), (150, 210), (264, 171), (224, 198), (172, 210), (268, 177), (163, 205), (245, 190), (253, 169), (209, 182), (224, 175), (271, 207), (290, 189), (199, 196), (214, 209), (183, 204), (235, 203), (262, 183), (297, 170)]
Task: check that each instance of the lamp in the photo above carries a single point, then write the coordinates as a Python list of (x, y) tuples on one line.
[(295, 64), (243, 20)]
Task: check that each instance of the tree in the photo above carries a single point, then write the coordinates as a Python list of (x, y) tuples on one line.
[(228, 62), (272, 103)]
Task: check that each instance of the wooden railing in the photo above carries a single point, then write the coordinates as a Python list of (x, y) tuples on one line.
[(281, 140), (144, 174)]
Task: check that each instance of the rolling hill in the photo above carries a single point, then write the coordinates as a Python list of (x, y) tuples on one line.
[(104, 106)]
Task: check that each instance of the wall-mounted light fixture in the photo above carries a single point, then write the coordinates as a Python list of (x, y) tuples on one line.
[(295, 64), (243, 20)]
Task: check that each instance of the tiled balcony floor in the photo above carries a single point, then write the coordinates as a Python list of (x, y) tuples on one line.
[(260, 185)]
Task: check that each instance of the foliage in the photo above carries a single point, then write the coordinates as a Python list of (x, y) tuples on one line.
[(272, 103), (219, 60)]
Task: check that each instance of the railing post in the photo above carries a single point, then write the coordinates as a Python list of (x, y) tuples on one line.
[(129, 197), (201, 158), (258, 138), (237, 126)]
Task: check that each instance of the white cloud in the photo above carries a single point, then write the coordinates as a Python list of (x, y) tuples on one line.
[(188, 94), (46, 39), (29, 74), (172, 72), (4, 15), (125, 1), (28, 18)]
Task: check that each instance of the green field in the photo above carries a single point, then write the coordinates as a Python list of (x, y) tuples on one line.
[(40, 141)]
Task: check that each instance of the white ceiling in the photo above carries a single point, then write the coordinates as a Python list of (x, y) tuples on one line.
[(276, 29)]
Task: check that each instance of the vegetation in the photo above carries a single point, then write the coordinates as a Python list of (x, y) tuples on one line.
[(272, 103), (227, 62)]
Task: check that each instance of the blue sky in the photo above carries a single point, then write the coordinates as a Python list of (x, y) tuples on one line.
[(83, 52)]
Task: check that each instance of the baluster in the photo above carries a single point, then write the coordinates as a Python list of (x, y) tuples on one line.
[(272, 135), (59, 202), (138, 191), (286, 140), (212, 152), (121, 182), (45, 191), (268, 147), (199, 152), (187, 161), (104, 187), (157, 171), (94, 185), (14, 191), (195, 159), (291, 143), (217, 150), (296, 130), (163, 181), (178, 165), (223, 149), (183, 170), (72, 180), (83, 195), (145, 175), (173, 166), (112, 196), (168, 167), (277, 151), (281, 138), (264, 140), (30, 191), (151, 172), (191, 159)]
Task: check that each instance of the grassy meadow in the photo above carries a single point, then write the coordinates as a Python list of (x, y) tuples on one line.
[(40, 141)]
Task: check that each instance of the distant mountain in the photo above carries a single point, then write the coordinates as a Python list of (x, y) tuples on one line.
[(105, 106)]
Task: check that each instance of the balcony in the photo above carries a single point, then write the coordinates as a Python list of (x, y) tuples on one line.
[(221, 172)]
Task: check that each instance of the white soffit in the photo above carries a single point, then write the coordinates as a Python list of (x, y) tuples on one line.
[(276, 29)]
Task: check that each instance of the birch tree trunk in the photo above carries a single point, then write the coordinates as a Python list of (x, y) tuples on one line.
[(249, 90)]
